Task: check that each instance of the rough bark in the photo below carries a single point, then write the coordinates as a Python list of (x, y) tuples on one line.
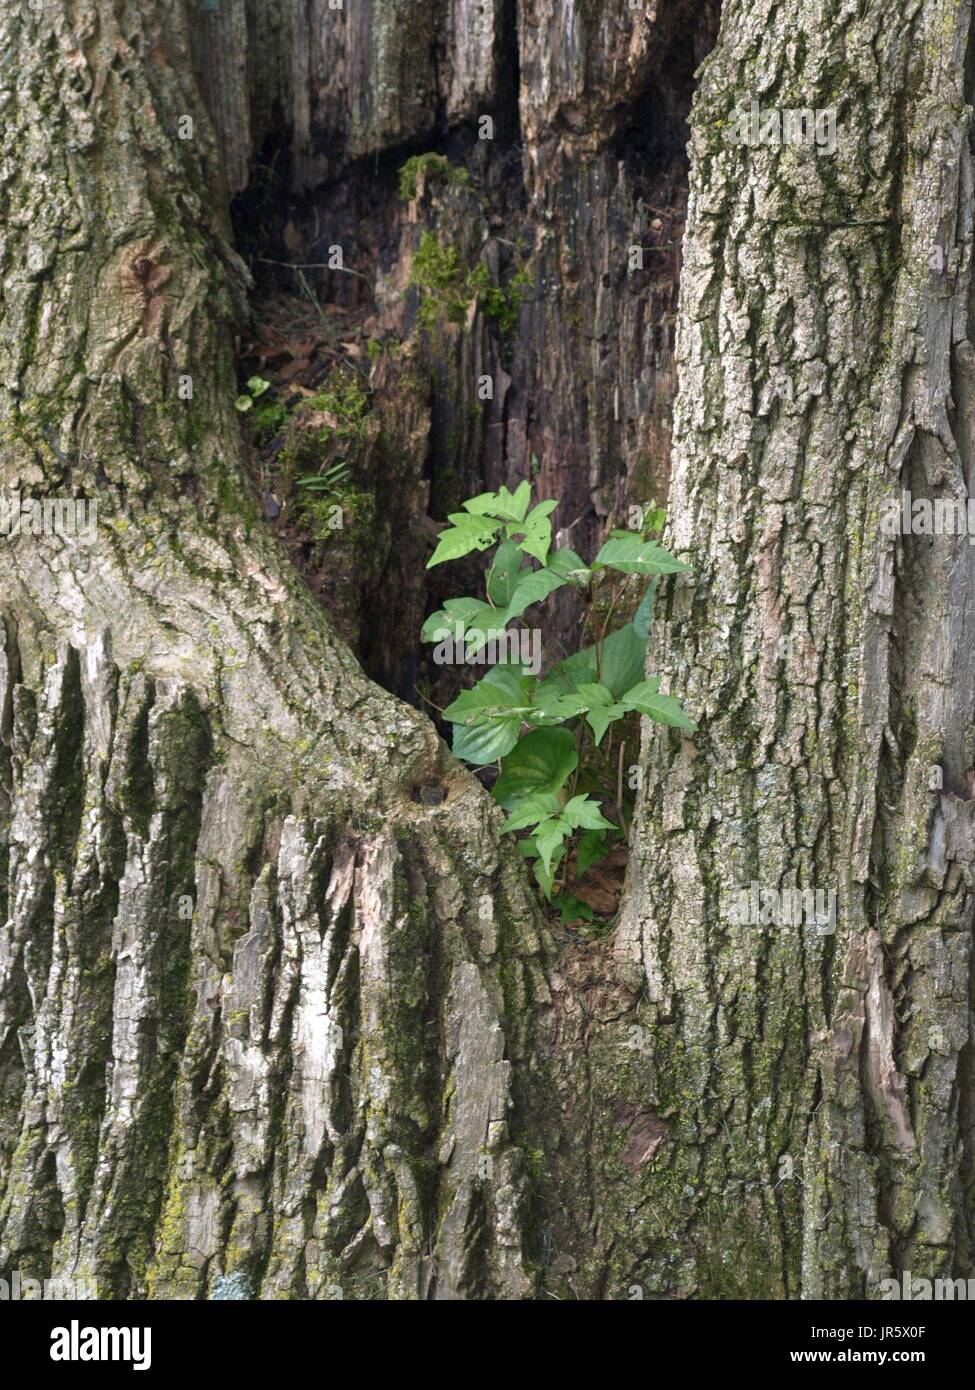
[(267, 981), (274, 1002), (830, 666)]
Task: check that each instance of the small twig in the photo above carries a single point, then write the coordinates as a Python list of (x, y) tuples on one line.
[(429, 702), (312, 265)]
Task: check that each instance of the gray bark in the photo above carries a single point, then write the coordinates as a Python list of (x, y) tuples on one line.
[(829, 663), (275, 1000), (261, 1007)]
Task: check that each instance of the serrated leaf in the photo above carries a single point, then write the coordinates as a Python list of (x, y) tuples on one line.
[(545, 878), (530, 810), (596, 701), (556, 708), (665, 709), (634, 555), (549, 838), (592, 847), (600, 717), (541, 762), (536, 531)]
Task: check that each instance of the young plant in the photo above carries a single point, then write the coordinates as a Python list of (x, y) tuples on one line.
[(269, 414), (545, 730), (332, 479), (255, 388)]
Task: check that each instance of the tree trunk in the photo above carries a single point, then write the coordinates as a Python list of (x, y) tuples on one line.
[(267, 979), (819, 1084), (279, 1014)]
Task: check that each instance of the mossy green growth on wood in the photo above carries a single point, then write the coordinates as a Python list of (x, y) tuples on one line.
[(427, 165), (448, 288)]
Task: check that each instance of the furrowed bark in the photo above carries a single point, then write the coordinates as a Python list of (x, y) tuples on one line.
[(825, 366), (267, 980), (278, 1017)]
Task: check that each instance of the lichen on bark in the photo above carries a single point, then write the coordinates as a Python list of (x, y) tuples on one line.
[(824, 365), (261, 1007)]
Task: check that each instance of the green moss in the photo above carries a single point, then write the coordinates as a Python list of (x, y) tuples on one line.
[(327, 428), (429, 165), (447, 288), (444, 284), (502, 306), (268, 419)]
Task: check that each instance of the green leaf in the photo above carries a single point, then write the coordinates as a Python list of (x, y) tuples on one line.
[(596, 701), (553, 707), (595, 694), (620, 658), (634, 555), (532, 588), (243, 403), (600, 717), (665, 709), (653, 520), (487, 719), (549, 838), (545, 878), (257, 385), (569, 565), (571, 910), (536, 531), (540, 762), (504, 573), (530, 810), (466, 534), (486, 742), (455, 610), (643, 616), (507, 506), (502, 690), (592, 847), (582, 813)]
